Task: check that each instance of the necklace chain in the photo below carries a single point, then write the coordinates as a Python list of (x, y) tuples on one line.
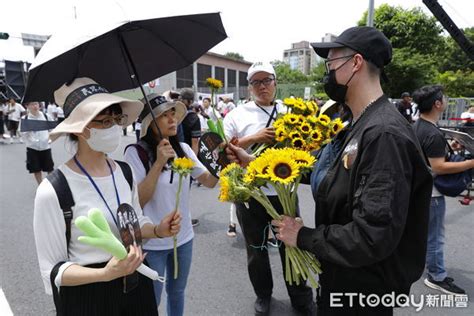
[(354, 121)]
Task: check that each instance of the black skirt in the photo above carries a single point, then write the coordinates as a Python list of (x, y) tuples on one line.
[(108, 298)]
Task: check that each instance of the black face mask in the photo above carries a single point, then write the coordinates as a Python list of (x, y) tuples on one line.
[(334, 90)]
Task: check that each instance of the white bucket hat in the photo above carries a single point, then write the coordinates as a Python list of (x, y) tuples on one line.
[(84, 99), (160, 104)]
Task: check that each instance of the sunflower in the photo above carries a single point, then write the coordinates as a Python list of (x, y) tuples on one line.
[(182, 165), (312, 146), (280, 134), (259, 166), (337, 125), (298, 142), (249, 177), (279, 123), (289, 102), (294, 134), (301, 119), (324, 119), (303, 158), (291, 118), (228, 169), (305, 128), (224, 189), (283, 170), (312, 120), (316, 135), (214, 83), (300, 105), (312, 107)]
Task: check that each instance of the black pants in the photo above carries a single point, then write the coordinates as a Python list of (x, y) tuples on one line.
[(253, 221), (107, 298)]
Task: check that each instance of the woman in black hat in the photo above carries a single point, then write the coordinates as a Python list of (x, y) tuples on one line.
[(157, 188)]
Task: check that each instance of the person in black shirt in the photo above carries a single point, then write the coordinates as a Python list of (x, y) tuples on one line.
[(432, 103), (191, 124), (404, 106)]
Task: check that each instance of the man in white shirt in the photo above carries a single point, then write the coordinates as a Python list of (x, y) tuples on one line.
[(52, 111), (251, 124), (209, 111), (38, 150), (15, 111)]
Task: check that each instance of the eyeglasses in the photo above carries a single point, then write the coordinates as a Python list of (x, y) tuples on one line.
[(110, 121), (327, 62), (266, 82)]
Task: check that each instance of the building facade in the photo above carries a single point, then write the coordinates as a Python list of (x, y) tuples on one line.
[(301, 55), (232, 73)]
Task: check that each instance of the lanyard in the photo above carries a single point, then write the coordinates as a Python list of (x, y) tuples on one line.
[(97, 188), (271, 116)]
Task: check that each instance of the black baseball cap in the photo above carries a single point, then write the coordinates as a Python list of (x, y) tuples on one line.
[(372, 44)]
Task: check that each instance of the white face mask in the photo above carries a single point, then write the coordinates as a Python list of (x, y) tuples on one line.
[(104, 140)]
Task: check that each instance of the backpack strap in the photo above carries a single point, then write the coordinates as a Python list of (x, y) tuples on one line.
[(56, 297), (142, 154), (66, 201), (127, 172)]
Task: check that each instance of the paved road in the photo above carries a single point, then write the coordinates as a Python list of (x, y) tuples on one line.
[(218, 284)]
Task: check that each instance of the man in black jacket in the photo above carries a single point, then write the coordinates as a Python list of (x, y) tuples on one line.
[(372, 205)]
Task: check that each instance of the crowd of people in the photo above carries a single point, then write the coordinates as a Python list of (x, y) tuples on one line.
[(379, 218)]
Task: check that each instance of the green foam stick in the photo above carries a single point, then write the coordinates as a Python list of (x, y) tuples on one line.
[(98, 234), (212, 126)]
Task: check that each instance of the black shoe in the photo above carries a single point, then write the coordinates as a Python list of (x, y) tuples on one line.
[(231, 232), (309, 310), (262, 306), (195, 222), (446, 286)]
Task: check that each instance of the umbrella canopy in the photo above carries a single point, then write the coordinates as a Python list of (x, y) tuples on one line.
[(123, 55)]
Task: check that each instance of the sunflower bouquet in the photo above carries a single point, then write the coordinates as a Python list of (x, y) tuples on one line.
[(183, 167), (282, 169), (301, 128), (215, 127)]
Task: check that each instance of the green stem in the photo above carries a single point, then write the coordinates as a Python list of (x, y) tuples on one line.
[(175, 239)]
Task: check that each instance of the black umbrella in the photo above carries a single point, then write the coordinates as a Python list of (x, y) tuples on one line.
[(124, 55)]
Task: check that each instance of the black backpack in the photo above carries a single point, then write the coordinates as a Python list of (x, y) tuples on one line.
[(66, 202)]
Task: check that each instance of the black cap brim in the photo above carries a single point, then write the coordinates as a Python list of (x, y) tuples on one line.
[(322, 49)]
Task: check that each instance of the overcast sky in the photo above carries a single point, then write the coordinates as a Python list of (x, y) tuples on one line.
[(258, 30)]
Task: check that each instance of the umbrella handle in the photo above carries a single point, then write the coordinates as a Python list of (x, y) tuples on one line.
[(137, 78)]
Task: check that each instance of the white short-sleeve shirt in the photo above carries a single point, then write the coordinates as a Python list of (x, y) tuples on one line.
[(164, 198), (50, 228)]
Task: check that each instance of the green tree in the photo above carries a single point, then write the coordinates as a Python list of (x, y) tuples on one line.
[(285, 74), (316, 76), (234, 55), (408, 71), (411, 29), (418, 47), (454, 58), (457, 83)]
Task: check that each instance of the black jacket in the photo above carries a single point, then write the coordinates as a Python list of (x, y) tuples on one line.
[(372, 208)]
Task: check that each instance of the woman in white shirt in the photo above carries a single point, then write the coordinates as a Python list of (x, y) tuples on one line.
[(157, 187), (90, 281)]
